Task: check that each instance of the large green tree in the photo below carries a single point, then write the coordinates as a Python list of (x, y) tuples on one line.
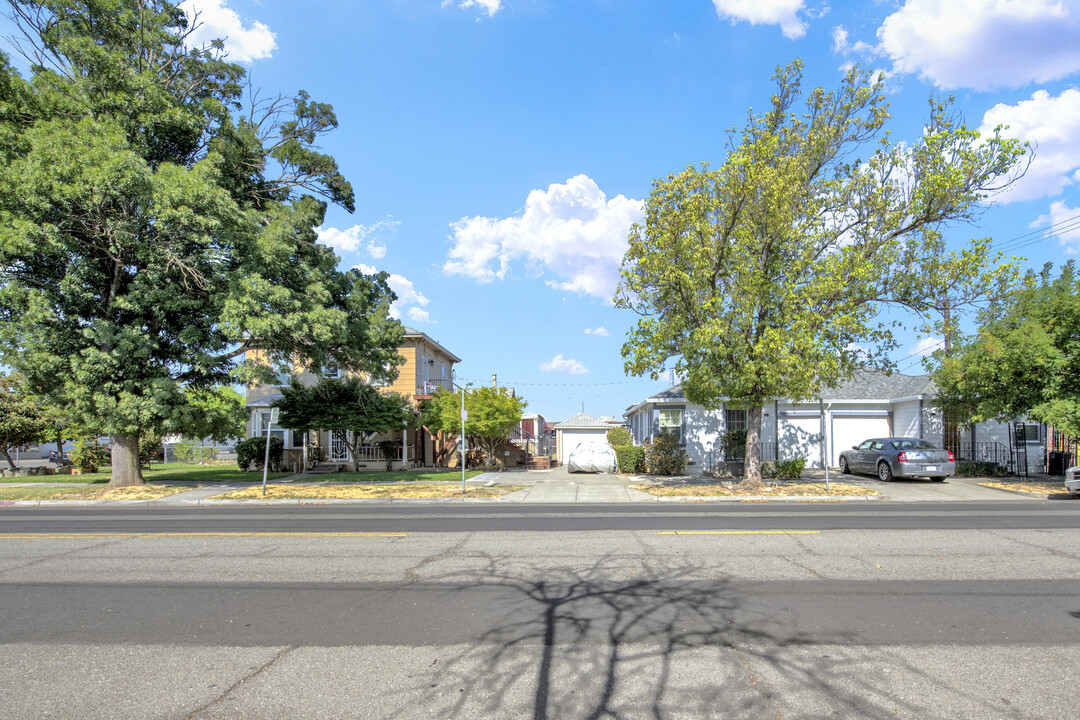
[(493, 413), (761, 278), (153, 230), (349, 406), (22, 419), (1024, 360)]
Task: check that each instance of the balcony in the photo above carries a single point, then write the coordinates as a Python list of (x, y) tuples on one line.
[(427, 387)]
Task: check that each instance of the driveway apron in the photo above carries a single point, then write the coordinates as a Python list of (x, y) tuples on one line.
[(560, 486)]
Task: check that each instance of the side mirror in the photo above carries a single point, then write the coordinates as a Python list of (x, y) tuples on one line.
[(854, 447)]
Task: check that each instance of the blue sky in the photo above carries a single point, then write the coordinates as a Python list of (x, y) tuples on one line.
[(499, 149)]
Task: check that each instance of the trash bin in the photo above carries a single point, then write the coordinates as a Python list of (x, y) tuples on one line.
[(1058, 462)]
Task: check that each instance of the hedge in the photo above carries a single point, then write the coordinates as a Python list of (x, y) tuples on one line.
[(631, 458)]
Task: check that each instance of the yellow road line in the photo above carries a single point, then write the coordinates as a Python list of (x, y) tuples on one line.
[(44, 536), (740, 532)]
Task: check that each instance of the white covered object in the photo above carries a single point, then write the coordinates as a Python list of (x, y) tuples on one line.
[(592, 457)]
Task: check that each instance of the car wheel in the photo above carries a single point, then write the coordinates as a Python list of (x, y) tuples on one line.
[(884, 472), (844, 466)]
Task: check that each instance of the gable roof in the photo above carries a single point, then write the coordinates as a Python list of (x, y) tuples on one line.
[(866, 384), (582, 421), (414, 333)]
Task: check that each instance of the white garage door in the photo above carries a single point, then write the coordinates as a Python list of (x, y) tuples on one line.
[(849, 430), (800, 437), (571, 438)]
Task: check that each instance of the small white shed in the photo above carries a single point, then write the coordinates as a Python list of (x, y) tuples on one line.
[(580, 429)]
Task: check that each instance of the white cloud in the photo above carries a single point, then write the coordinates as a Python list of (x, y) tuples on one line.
[(350, 240), (409, 301), (243, 44), (572, 230), (784, 13), (487, 7), (564, 365), (1061, 222), (983, 44), (926, 346), (601, 331), (1051, 123)]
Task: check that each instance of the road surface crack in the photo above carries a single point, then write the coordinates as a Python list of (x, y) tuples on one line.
[(64, 554), (241, 681), (1038, 546), (645, 559), (754, 684), (413, 574)]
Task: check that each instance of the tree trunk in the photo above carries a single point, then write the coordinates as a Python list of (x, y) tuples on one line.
[(126, 469), (752, 458), (354, 447), (10, 462)]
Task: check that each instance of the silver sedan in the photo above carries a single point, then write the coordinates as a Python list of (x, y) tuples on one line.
[(898, 457)]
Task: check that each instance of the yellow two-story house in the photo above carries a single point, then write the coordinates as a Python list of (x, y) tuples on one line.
[(427, 366)]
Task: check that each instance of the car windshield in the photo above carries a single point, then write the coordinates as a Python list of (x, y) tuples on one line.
[(913, 445)]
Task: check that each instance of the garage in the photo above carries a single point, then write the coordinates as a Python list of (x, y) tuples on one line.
[(851, 429), (799, 436), (580, 429)]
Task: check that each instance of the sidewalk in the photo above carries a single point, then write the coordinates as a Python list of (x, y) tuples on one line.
[(558, 486)]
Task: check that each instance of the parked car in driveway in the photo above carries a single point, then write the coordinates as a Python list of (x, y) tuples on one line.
[(898, 457), (1072, 480)]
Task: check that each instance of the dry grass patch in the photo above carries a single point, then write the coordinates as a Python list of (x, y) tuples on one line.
[(364, 492), (783, 489), (1035, 488), (135, 492)]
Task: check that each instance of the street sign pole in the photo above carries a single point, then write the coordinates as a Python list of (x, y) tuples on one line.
[(266, 455), (463, 416)]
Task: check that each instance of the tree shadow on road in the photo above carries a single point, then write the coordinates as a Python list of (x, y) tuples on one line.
[(605, 641)]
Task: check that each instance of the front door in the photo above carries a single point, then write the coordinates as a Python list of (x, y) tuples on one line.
[(339, 447)]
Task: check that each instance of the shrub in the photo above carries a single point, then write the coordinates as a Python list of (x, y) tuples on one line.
[(631, 458), (389, 450), (664, 456), (618, 437), (980, 469), (88, 456), (790, 469), (250, 452), (768, 469), (150, 447), (733, 444)]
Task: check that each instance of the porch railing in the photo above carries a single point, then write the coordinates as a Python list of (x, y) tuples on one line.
[(427, 387)]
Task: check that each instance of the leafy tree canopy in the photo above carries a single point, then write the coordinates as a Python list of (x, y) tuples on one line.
[(22, 419), (153, 229), (493, 413), (345, 405), (761, 277), (1024, 359)]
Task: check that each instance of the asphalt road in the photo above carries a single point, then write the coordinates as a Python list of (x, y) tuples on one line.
[(755, 611), (425, 517)]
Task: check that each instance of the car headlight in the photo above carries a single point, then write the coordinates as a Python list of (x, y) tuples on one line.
[(1072, 473)]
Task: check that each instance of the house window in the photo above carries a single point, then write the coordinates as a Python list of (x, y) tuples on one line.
[(264, 422), (671, 422), (1028, 433), (735, 419), (331, 370)]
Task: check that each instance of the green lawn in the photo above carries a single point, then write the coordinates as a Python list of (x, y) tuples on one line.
[(398, 477), (173, 472)]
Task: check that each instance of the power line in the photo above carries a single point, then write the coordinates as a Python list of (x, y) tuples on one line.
[(1038, 235)]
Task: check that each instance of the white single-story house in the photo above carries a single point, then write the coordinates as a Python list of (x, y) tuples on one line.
[(871, 404), (582, 429)]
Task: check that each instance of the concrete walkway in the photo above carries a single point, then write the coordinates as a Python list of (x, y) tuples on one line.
[(560, 486)]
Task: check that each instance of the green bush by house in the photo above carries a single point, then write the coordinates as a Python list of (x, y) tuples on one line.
[(790, 469), (250, 453), (631, 458), (665, 456)]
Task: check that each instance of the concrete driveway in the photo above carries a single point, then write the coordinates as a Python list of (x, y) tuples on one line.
[(558, 485), (953, 489)]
